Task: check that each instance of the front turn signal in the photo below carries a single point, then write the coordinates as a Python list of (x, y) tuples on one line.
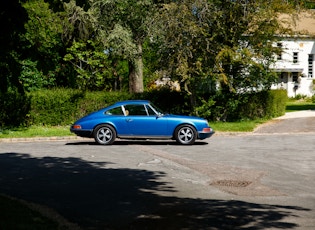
[(206, 130)]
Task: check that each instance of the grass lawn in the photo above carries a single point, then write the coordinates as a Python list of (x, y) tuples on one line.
[(238, 126), (298, 105), (36, 131)]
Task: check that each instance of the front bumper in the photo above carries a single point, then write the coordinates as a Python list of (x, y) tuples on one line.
[(205, 134)]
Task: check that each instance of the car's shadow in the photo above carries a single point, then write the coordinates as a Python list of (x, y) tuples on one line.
[(135, 142)]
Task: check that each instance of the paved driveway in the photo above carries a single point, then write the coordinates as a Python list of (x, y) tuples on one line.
[(293, 122)]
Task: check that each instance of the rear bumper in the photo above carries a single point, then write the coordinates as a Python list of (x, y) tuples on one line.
[(81, 132)]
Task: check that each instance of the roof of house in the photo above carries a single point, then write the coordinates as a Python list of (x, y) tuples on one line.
[(302, 23)]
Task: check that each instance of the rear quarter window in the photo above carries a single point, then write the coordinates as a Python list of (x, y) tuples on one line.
[(115, 111)]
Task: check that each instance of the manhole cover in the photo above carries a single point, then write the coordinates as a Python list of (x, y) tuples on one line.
[(231, 183)]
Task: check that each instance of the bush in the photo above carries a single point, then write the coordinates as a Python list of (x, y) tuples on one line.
[(14, 109), (54, 107), (276, 103), (93, 101), (250, 106), (264, 104), (64, 106)]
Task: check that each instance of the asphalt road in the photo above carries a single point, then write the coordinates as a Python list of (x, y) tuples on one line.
[(293, 122), (257, 180)]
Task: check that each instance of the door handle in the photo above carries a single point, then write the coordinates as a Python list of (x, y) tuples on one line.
[(128, 119)]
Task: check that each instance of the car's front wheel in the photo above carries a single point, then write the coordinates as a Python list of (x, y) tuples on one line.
[(104, 134), (185, 134)]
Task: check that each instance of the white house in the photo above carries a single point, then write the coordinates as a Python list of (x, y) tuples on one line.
[(296, 64)]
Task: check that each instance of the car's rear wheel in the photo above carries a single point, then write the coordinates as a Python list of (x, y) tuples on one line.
[(185, 134), (104, 134)]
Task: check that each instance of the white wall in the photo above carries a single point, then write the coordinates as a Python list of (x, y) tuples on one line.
[(304, 85)]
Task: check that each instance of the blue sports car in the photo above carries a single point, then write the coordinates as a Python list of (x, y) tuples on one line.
[(140, 119)]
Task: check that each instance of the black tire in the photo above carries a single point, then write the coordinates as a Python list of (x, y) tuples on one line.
[(104, 134), (185, 134)]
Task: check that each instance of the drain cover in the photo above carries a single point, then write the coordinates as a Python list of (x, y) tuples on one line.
[(231, 183)]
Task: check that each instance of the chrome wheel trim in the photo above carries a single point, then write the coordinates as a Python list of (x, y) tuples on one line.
[(104, 135), (186, 135)]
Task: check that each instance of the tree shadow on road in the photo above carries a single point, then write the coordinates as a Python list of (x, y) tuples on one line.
[(95, 195)]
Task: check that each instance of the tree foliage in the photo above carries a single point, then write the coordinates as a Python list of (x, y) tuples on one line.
[(231, 42), (10, 43), (121, 26), (217, 50), (94, 68), (43, 46), (206, 45)]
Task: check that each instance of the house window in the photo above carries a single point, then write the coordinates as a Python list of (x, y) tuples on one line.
[(310, 65), (295, 57), (279, 54), (295, 76)]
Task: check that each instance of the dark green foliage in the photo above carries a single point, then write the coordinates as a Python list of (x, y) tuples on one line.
[(54, 107), (64, 106), (237, 107), (14, 109), (169, 101), (276, 103), (12, 19), (265, 104), (93, 101)]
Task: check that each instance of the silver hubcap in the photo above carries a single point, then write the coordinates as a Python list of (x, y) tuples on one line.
[(104, 135), (185, 135)]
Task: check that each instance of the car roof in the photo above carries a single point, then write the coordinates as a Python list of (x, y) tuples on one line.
[(128, 102)]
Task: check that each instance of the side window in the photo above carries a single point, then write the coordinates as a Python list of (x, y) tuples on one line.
[(150, 111), (115, 111), (138, 110)]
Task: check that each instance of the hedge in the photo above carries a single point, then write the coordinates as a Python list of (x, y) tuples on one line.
[(64, 106), (248, 106), (265, 104), (14, 109)]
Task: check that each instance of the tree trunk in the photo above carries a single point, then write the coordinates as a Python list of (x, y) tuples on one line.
[(136, 73)]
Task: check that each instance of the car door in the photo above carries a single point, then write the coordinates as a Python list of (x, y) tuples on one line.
[(144, 122), (116, 117)]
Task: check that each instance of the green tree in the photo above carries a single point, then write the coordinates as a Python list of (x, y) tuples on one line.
[(121, 26), (10, 43), (44, 45), (230, 42), (245, 36), (94, 69), (182, 30)]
